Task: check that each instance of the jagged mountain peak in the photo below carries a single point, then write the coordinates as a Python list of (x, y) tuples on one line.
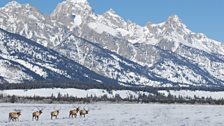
[(112, 14), (69, 9), (174, 18), (112, 19), (77, 1), (13, 4), (175, 21), (15, 7), (111, 11)]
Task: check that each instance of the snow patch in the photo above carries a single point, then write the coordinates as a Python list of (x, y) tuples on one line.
[(77, 21), (100, 28)]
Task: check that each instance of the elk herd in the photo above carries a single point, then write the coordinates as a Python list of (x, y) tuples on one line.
[(14, 116)]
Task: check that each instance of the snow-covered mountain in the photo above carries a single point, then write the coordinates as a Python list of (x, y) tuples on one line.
[(166, 54), (107, 63), (24, 60), (27, 21)]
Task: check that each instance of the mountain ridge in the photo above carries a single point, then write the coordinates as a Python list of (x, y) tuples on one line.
[(154, 49)]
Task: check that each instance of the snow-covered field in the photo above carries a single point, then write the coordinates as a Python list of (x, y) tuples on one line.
[(103, 114), (198, 93), (80, 93)]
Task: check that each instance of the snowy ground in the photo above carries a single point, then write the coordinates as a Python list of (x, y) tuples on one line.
[(103, 114), (198, 93), (80, 93)]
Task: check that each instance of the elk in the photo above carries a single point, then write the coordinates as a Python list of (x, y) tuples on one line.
[(37, 114), (55, 114), (83, 112), (13, 116), (73, 112)]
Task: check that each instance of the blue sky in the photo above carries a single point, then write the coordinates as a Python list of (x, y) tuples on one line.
[(206, 16)]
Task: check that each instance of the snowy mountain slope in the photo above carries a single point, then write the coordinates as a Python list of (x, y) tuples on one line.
[(211, 62), (183, 70), (12, 72), (105, 62), (164, 71), (28, 60), (168, 53)]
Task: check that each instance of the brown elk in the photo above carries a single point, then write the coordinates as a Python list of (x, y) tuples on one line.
[(73, 112), (55, 114), (83, 112), (13, 116), (36, 115)]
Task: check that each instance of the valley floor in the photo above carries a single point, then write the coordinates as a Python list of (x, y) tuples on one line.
[(103, 114)]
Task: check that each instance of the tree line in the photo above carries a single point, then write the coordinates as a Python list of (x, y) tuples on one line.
[(141, 98), (85, 86), (154, 95)]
